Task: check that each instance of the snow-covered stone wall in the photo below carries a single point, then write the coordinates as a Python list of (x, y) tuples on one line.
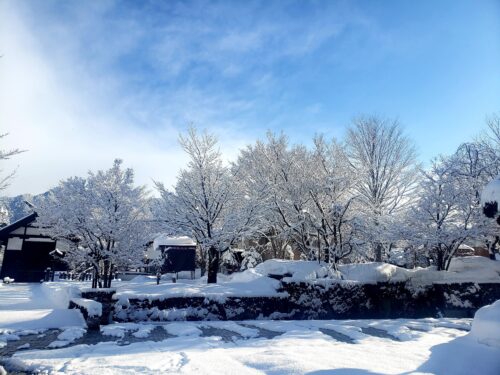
[(318, 300)]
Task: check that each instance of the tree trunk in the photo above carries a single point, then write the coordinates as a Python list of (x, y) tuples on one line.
[(492, 247), (108, 274), (105, 274), (378, 252), (213, 265), (95, 277), (327, 254), (440, 260)]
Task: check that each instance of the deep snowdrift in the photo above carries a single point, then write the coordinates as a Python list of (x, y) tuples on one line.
[(486, 325)]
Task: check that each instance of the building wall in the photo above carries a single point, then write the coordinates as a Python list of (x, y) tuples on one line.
[(26, 255)]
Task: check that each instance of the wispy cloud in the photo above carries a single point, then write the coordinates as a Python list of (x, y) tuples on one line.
[(85, 82)]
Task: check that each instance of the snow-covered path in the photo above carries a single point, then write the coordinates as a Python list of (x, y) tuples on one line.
[(298, 347), (28, 306)]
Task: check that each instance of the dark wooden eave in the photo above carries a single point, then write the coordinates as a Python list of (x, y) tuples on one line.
[(5, 231)]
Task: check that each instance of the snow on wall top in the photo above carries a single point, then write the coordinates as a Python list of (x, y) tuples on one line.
[(491, 192), (164, 240)]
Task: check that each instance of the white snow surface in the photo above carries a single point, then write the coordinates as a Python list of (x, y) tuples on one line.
[(491, 192), (462, 269), (486, 325), (140, 330), (247, 283), (183, 329), (29, 306), (299, 270), (67, 336), (93, 308), (303, 347)]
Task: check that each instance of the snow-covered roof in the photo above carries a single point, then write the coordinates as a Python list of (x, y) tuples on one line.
[(164, 240), (491, 192), (4, 232), (465, 247)]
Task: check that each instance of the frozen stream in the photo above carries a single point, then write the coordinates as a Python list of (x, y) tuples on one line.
[(254, 347)]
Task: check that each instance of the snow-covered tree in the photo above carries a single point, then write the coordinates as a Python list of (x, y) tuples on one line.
[(208, 202), (103, 217), (384, 160), (5, 155), (229, 262), (251, 258), (332, 205), (4, 216), (490, 200), (309, 198), (473, 166), (444, 215), (282, 172)]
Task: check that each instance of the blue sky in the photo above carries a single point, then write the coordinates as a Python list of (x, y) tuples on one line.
[(91, 81)]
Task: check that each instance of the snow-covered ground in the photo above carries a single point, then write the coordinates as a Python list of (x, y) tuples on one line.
[(438, 346), (36, 307), (298, 347)]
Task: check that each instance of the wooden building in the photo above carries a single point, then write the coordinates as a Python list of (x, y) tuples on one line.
[(175, 254), (28, 252)]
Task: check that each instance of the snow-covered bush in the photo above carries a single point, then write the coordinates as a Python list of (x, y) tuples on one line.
[(251, 258), (8, 280), (229, 262)]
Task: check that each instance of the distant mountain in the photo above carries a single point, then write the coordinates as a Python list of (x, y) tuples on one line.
[(17, 208)]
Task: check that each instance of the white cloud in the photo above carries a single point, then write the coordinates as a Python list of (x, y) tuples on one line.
[(65, 131), (69, 98)]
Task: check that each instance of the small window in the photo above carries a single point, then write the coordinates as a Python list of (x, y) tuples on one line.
[(15, 243)]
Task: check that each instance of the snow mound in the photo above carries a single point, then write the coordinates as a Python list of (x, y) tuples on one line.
[(71, 333), (476, 268), (40, 319), (293, 269), (93, 308), (59, 294), (462, 269), (142, 279), (374, 272), (486, 325), (182, 329)]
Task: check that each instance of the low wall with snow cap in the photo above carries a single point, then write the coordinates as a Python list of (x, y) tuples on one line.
[(96, 305), (389, 300), (324, 299)]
